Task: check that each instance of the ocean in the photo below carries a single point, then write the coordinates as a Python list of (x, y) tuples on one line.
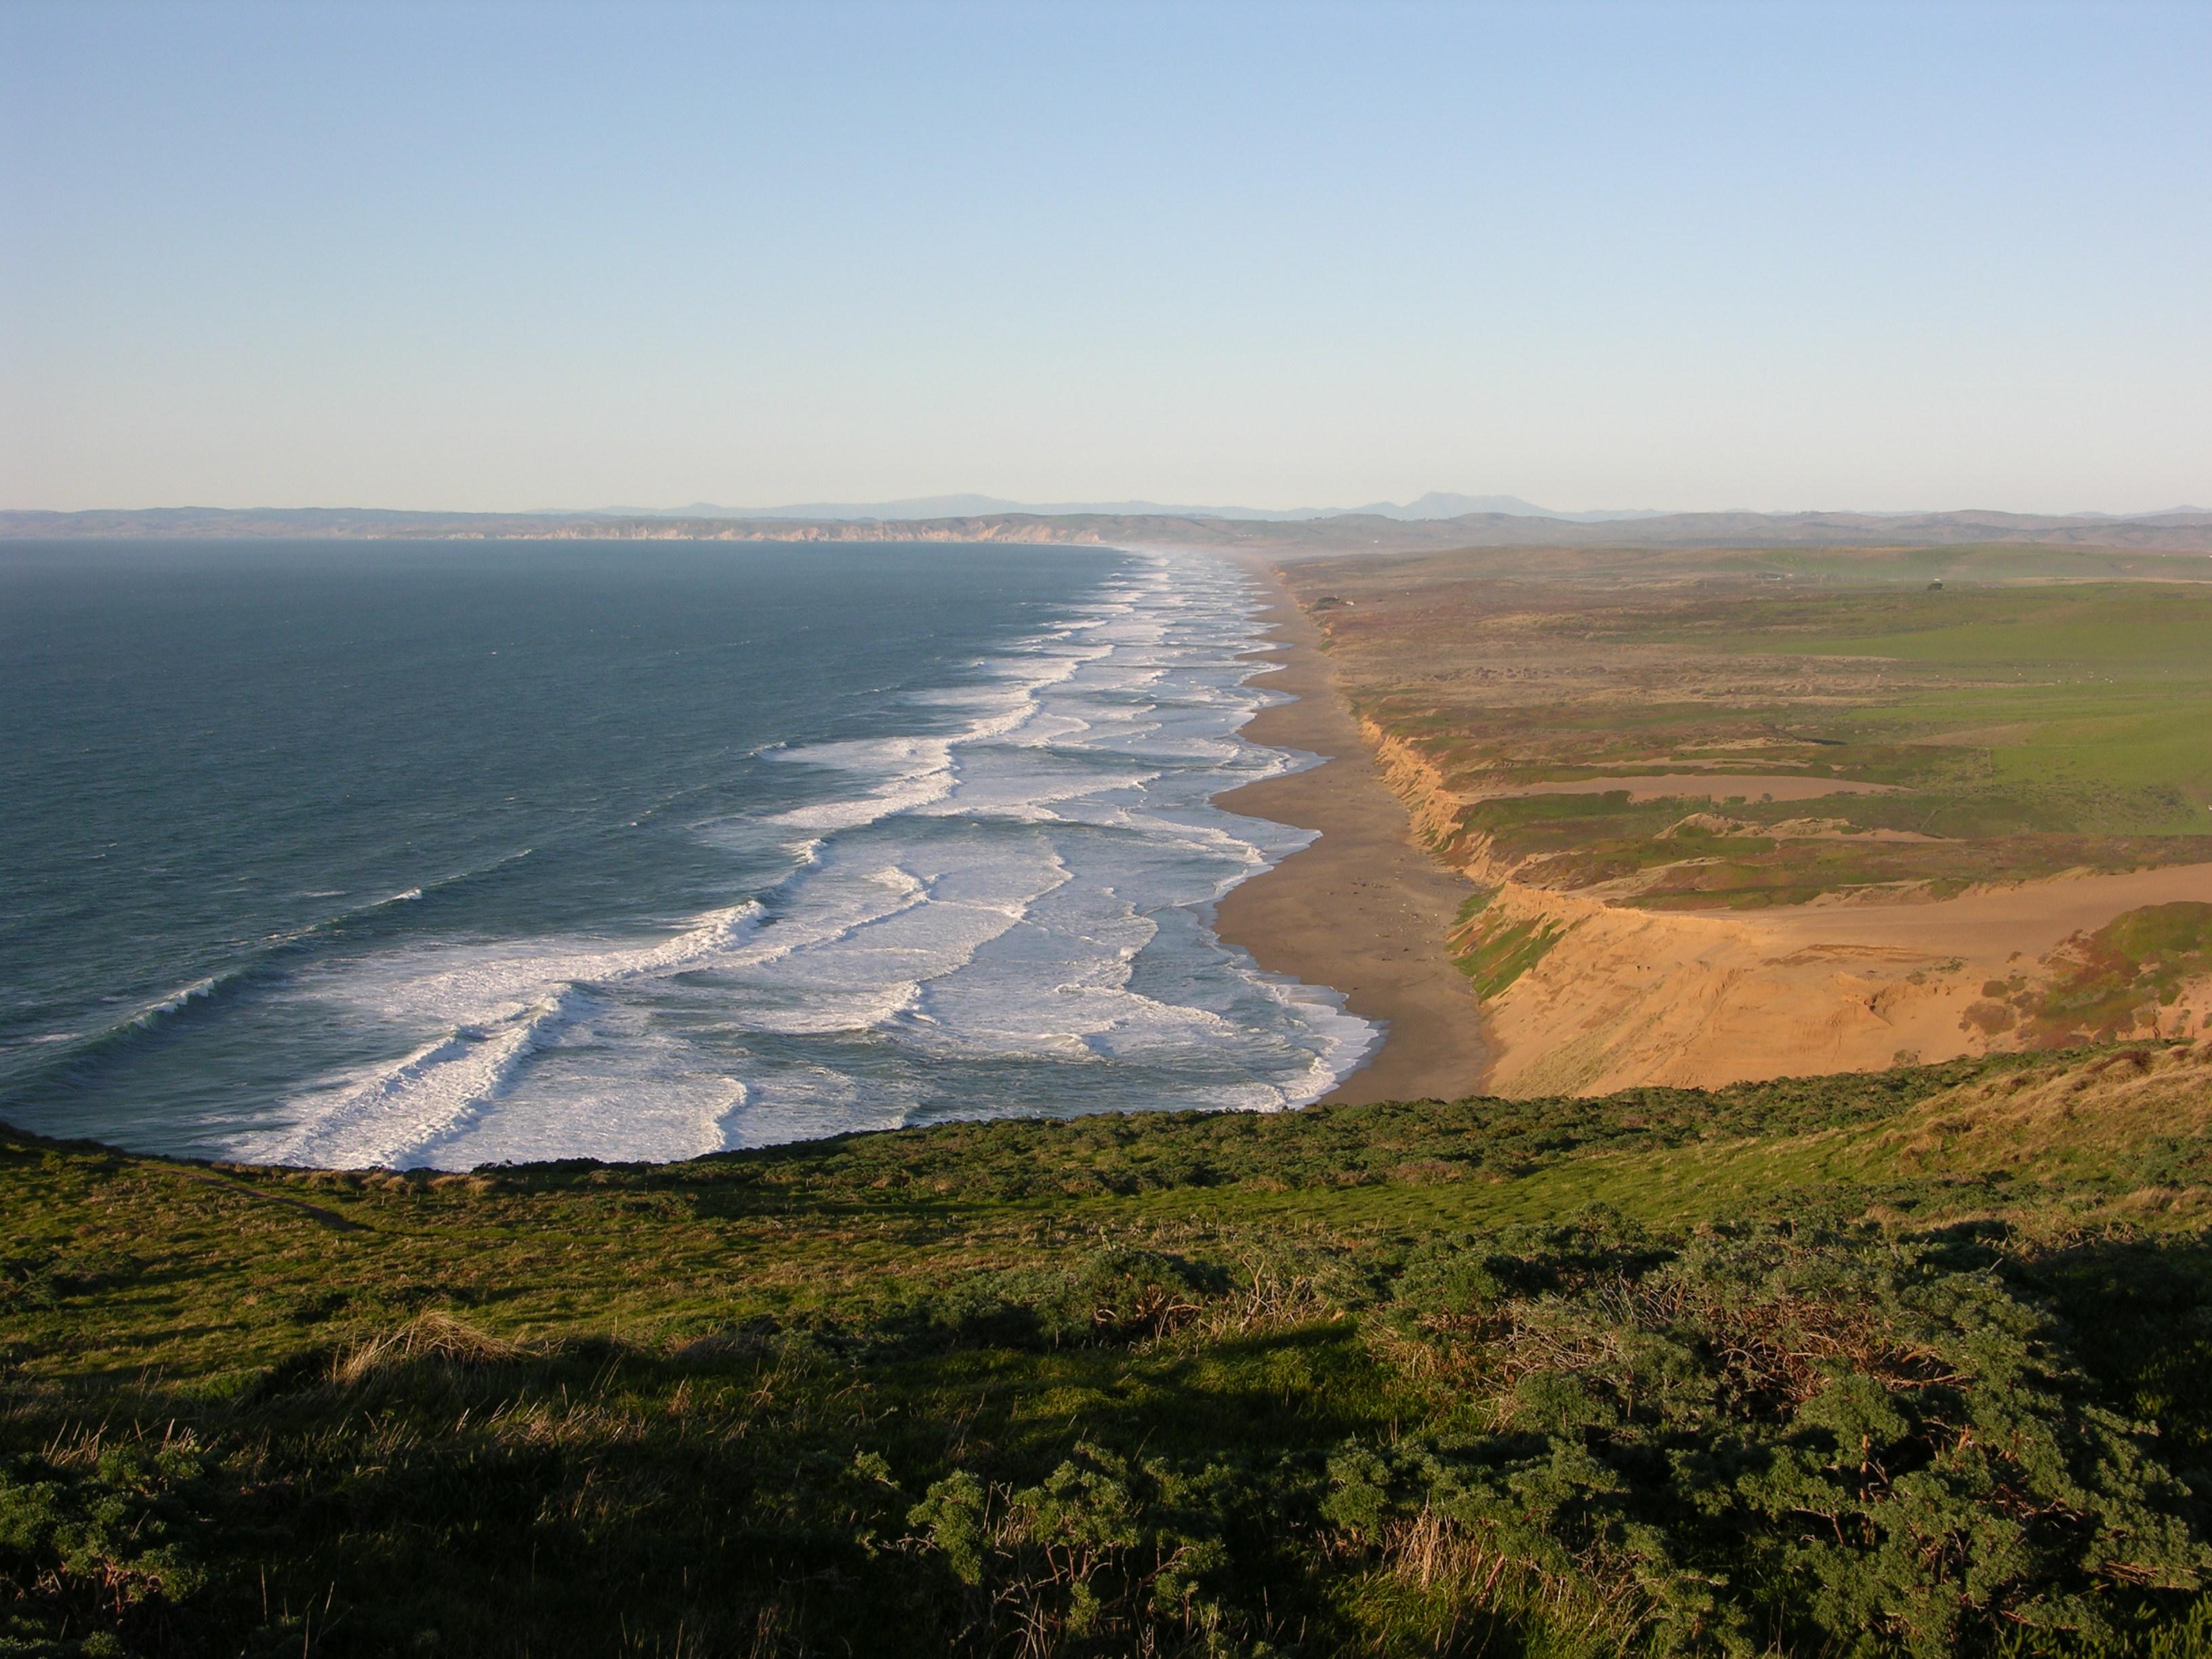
[(442, 854)]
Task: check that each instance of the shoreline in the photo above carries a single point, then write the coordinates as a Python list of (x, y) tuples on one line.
[(1363, 911)]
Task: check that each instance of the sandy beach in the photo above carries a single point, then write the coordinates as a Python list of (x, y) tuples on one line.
[(1365, 909)]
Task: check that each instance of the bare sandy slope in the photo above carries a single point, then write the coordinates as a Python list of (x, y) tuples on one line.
[(1629, 997), (1365, 909)]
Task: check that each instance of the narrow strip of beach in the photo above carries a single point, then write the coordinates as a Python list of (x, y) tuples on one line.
[(1364, 909)]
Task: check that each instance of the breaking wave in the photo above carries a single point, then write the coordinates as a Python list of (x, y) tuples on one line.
[(1003, 908)]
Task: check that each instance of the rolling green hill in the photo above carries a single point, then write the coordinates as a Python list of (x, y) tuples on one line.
[(1910, 1363)]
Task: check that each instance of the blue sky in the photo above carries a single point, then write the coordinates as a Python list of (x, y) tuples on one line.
[(502, 255)]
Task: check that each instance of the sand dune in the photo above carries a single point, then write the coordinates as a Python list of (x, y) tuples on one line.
[(1630, 996)]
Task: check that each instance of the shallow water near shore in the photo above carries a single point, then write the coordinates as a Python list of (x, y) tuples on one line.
[(445, 854)]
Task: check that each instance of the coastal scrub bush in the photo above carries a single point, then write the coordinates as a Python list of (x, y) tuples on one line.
[(1118, 1294), (2115, 982), (1740, 1443), (1106, 1554), (98, 1548), (1862, 1447), (1258, 1390)]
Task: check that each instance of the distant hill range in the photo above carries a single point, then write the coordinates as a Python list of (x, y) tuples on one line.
[(1419, 525), (1436, 504)]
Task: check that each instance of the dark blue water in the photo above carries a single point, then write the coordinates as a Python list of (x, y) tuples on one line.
[(446, 853)]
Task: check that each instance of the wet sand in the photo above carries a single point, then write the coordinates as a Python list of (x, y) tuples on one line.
[(1365, 909)]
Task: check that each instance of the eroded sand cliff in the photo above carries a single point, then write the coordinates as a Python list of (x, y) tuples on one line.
[(1622, 997)]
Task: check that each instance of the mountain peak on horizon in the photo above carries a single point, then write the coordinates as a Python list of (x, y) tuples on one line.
[(1449, 504)]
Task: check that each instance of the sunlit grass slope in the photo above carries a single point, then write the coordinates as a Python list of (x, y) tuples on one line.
[(1994, 725), (1918, 1362)]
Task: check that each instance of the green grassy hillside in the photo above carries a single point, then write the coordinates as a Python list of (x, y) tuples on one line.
[(2016, 714), (1915, 1363)]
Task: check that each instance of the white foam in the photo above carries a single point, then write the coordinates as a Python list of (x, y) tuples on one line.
[(920, 771), (399, 1115), (1003, 915), (504, 1005), (177, 999), (958, 1000)]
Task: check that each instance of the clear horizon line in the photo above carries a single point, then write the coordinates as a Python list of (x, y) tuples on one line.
[(1135, 507)]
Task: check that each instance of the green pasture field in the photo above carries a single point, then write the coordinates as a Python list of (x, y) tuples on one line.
[(2113, 675), (2028, 729), (2093, 701), (1973, 562)]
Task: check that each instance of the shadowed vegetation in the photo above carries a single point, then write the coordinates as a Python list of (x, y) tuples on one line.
[(1913, 1362)]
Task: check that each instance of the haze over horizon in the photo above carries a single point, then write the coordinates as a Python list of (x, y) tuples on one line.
[(1430, 504), (1841, 257)]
